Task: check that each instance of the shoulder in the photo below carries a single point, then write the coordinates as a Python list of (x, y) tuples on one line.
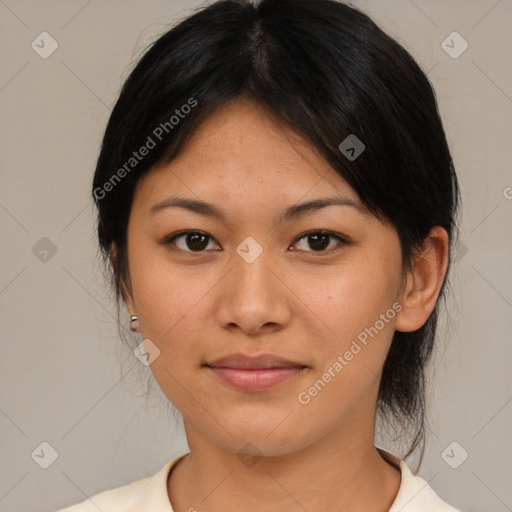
[(135, 496), (416, 495)]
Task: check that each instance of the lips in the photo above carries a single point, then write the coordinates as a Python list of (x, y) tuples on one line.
[(254, 374)]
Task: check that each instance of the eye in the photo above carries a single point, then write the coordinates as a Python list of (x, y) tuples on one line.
[(189, 241), (197, 241), (319, 240)]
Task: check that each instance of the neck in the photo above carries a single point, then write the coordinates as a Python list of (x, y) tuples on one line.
[(336, 473)]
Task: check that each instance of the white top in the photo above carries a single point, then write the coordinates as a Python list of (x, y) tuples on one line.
[(150, 494)]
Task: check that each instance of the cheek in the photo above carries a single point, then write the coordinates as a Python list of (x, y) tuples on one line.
[(164, 293), (172, 315), (357, 306), (352, 298), (358, 309)]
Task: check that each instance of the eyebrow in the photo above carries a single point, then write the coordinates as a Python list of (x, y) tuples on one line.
[(292, 212)]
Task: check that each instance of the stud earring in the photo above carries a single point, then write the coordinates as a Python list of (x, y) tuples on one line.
[(134, 325)]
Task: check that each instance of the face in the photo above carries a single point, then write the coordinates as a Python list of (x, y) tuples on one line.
[(318, 287)]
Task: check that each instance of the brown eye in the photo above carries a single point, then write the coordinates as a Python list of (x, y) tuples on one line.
[(190, 241), (319, 241), (198, 242)]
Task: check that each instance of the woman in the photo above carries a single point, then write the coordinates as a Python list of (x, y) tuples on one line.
[(277, 201)]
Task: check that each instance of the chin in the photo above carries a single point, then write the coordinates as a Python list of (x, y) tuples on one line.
[(262, 438)]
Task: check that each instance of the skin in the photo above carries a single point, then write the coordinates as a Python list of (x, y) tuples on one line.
[(293, 301)]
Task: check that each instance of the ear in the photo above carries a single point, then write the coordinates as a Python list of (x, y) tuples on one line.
[(126, 290), (424, 281)]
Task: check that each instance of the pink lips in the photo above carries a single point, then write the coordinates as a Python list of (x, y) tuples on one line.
[(254, 373)]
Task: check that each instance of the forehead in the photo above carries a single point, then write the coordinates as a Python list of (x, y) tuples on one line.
[(243, 146)]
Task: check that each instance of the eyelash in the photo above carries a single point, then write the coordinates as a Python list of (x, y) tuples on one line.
[(342, 241)]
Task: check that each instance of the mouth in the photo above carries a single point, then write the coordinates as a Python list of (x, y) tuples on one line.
[(253, 374)]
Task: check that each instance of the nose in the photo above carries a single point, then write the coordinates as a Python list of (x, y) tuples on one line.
[(253, 296)]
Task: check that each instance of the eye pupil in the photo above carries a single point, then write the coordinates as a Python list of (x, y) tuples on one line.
[(194, 237), (316, 245)]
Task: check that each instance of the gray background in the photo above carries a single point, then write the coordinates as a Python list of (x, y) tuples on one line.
[(61, 377)]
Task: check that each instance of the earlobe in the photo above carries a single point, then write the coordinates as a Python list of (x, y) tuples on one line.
[(424, 281)]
